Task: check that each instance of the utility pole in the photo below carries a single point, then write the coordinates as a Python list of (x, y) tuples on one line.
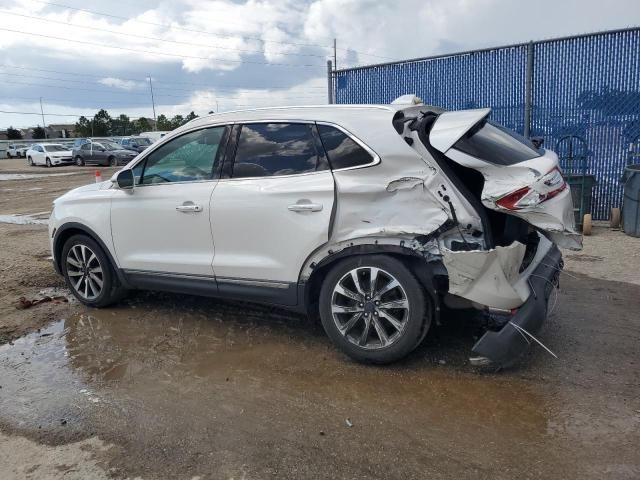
[(335, 56), (329, 82), (153, 104), (44, 125)]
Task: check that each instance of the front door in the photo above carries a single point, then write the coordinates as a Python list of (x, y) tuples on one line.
[(163, 225), (275, 210)]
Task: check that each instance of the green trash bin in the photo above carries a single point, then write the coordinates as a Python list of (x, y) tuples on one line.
[(581, 194), (631, 202)]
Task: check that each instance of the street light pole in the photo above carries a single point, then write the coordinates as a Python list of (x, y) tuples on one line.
[(44, 126), (153, 104)]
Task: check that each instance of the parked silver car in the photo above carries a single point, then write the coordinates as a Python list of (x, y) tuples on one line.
[(376, 218)]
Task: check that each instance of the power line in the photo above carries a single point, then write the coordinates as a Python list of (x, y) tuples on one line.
[(169, 26), (142, 79), (116, 92), (148, 52), (96, 29), (39, 113)]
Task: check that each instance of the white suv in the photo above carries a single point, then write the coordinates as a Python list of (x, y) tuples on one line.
[(374, 217)]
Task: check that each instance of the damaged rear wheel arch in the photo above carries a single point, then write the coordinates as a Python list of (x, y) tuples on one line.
[(425, 272)]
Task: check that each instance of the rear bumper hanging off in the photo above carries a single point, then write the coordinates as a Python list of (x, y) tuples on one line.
[(502, 348)]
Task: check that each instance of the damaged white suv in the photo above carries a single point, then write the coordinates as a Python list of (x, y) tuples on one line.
[(374, 217)]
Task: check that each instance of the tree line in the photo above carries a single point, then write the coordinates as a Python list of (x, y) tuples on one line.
[(103, 125)]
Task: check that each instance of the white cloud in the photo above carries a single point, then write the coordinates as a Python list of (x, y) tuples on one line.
[(277, 31), (127, 85)]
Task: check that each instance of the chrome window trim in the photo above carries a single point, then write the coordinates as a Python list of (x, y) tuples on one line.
[(369, 150), (376, 158)]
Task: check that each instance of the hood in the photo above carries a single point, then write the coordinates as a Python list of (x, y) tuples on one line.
[(80, 191)]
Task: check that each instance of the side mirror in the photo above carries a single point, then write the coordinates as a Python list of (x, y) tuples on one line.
[(124, 179)]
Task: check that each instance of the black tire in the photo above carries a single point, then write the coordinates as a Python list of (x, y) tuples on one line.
[(30, 161), (113, 162), (111, 292), (79, 161), (47, 162), (8, 155), (416, 321)]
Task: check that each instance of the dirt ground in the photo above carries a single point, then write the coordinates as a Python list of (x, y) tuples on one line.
[(171, 386)]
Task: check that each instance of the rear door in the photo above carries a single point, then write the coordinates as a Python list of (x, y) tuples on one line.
[(519, 179), (272, 207), (37, 155)]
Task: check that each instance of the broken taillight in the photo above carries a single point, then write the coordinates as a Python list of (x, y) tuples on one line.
[(527, 197)]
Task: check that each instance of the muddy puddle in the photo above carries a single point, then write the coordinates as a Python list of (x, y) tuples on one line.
[(195, 382)]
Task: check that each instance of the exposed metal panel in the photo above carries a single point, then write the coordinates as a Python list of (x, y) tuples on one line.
[(588, 85)]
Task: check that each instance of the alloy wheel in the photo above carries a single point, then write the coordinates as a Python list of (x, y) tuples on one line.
[(370, 307), (84, 271)]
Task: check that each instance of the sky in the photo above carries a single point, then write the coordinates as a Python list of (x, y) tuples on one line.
[(218, 55)]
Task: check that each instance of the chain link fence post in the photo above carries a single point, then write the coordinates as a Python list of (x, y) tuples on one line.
[(528, 91), (330, 82)]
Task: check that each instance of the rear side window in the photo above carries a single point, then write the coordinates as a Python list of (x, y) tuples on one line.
[(496, 144), (269, 149), (343, 152)]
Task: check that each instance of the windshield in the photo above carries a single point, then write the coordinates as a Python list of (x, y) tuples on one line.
[(110, 146), (54, 148), (496, 144), (140, 141)]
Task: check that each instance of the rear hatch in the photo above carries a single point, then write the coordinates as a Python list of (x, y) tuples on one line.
[(519, 178)]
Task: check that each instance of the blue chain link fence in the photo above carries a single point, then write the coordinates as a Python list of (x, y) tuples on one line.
[(579, 93)]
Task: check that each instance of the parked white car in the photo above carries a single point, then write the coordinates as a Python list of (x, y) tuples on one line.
[(155, 135), (49, 154), (17, 150), (375, 218)]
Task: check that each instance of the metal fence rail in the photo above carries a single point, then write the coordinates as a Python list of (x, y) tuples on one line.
[(586, 86)]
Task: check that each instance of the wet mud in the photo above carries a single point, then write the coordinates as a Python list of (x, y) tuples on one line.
[(184, 386)]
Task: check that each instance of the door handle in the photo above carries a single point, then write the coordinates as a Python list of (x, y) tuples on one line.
[(187, 207), (305, 207)]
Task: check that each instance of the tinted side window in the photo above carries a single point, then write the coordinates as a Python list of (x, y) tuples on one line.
[(266, 149), (187, 158), (343, 152), (496, 144)]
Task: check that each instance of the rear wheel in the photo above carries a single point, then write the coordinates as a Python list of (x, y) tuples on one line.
[(8, 155), (373, 308), (30, 161), (88, 272), (79, 161)]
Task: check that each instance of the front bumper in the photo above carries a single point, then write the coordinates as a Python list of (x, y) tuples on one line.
[(62, 161), (502, 348)]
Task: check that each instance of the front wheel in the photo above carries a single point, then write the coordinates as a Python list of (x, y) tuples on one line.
[(373, 308), (113, 162), (89, 273), (79, 161), (48, 162)]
